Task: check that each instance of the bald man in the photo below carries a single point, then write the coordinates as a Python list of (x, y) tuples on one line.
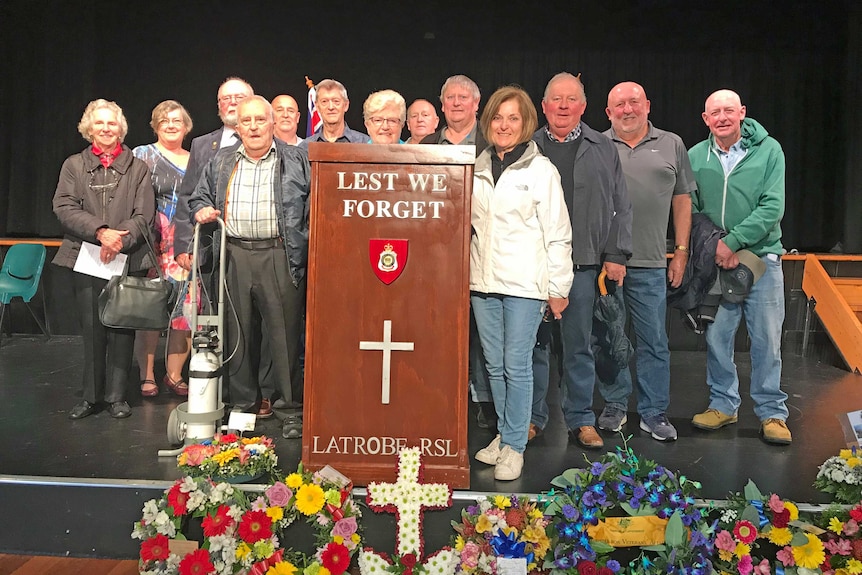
[(659, 180), (739, 170), (286, 112), (422, 120)]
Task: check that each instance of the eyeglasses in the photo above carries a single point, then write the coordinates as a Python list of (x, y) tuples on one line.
[(235, 98), (378, 121), (171, 122)]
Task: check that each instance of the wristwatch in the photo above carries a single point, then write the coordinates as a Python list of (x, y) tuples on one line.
[(681, 248)]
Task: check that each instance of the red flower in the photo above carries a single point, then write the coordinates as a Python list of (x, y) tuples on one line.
[(515, 518), (217, 523), (468, 528), (197, 563), (856, 544), (228, 438), (856, 512), (409, 560), (155, 549), (781, 519), (336, 558), (605, 571), (745, 532), (177, 500), (255, 526), (587, 568)]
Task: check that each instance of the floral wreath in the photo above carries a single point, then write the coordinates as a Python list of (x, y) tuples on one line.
[(756, 531), (512, 527), (243, 534), (843, 540), (229, 455), (408, 497), (582, 510), (841, 475)]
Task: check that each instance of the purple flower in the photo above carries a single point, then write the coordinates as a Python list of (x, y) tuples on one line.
[(278, 494), (613, 565), (639, 492), (570, 512), (598, 468)]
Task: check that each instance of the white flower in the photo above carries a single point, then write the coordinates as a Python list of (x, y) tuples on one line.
[(164, 525), (235, 512), (188, 485), (220, 493), (728, 515), (196, 499)]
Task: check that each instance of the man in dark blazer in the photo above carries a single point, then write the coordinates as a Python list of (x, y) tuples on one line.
[(204, 148)]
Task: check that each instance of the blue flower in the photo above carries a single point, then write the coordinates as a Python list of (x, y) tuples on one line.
[(639, 492), (698, 539), (570, 512), (590, 515), (597, 468), (567, 530), (613, 565), (655, 499), (563, 560)]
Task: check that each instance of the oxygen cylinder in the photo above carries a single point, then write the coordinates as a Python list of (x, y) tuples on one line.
[(203, 392)]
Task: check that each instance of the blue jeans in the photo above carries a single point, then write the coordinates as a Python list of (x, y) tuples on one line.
[(507, 329), (644, 292), (579, 371), (764, 318), (541, 381), (480, 387)]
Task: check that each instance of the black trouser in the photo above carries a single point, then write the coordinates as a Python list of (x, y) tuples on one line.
[(107, 351), (261, 290)]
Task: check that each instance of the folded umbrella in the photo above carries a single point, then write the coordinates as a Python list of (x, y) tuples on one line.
[(610, 311)]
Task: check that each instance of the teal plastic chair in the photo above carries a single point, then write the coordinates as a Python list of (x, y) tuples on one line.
[(19, 277)]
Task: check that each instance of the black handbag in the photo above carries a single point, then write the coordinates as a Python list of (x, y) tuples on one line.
[(129, 302)]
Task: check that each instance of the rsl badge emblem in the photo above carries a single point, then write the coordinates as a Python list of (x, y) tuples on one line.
[(387, 258)]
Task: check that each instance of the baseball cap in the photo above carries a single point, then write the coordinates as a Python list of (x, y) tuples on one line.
[(736, 283)]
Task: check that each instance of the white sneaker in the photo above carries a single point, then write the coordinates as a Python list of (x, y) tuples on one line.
[(509, 464), (491, 453)]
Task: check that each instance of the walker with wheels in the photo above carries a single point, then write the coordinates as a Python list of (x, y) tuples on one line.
[(200, 417)]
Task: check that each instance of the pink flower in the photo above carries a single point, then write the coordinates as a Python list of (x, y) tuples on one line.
[(762, 568), (786, 557), (776, 504), (744, 566), (851, 527), (724, 541), (470, 555), (279, 494), (839, 547), (258, 504), (345, 527)]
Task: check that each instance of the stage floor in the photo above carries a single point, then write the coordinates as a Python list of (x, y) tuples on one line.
[(40, 381)]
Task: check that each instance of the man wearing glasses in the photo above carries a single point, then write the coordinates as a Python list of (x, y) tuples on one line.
[(260, 189), (332, 104), (459, 97), (230, 94)]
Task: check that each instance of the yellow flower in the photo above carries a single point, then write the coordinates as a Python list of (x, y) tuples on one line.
[(242, 551), (249, 440), (845, 453), (539, 539), (275, 513), (854, 566), (323, 571), (339, 539), (853, 461), (794, 510), (181, 460), (842, 571), (459, 543), (293, 480), (483, 524), (725, 555), (780, 536), (282, 568), (309, 499), (224, 457), (502, 502), (810, 555), (355, 538), (535, 515), (508, 530), (742, 549), (836, 525)]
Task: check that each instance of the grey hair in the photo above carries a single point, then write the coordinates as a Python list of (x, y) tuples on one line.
[(565, 76), (376, 101), (460, 80), (329, 84), (87, 119)]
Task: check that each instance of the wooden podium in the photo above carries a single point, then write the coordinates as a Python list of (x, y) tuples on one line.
[(388, 304)]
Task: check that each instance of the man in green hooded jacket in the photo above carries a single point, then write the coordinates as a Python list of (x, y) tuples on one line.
[(739, 172)]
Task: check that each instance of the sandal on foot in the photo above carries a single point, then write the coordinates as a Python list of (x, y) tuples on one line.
[(149, 388), (180, 387)]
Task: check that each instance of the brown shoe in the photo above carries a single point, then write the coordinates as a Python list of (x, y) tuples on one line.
[(534, 432), (712, 419), (588, 437), (265, 409), (775, 431)]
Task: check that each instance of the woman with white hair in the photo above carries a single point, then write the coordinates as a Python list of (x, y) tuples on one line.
[(104, 197), (384, 113)]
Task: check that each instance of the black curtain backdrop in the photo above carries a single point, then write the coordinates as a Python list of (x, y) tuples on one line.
[(793, 63)]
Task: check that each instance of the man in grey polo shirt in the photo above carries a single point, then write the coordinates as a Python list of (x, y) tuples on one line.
[(658, 177)]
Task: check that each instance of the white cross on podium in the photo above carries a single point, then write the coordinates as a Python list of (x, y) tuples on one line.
[(387, 346)]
